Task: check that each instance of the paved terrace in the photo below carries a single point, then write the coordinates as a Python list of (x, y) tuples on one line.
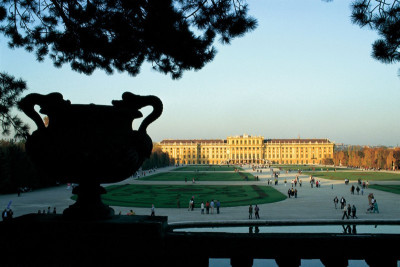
[(310, 204)]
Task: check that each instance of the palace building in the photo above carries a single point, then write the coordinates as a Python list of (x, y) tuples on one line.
[(248, 149)]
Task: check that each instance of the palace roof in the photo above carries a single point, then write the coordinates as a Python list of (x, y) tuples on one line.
[(191, 141), (297, 141)]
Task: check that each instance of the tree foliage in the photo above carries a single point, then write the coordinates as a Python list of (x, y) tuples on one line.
[(16, 169), (10, 90), (157, 159), (368, 157), (382, 16), (174, 35)]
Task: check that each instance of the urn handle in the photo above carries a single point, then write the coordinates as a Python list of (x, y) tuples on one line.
[(46, 103), (137, 102)]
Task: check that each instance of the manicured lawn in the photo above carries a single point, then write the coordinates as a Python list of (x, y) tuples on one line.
[(209, 168), (166, 196), (354, 176), (387, 188), (198, 176), (308, 168)]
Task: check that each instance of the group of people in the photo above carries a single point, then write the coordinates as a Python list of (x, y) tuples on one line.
[(292, 192), (313, 181), (210, 206), (353, 188), (348, 211), (256, 212), (363, 184), (48, 211), (372, 204)]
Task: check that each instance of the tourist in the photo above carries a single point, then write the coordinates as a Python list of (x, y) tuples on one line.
[(295, 193), (54, 210), (250, 212), (300, 182), (345, 213), (289, 192), (358, 190), (352, 189), (153, 212), (202, 207), (349, 210), (256, 210), (48, 210), (342, 203), (375, 205), (353, 212), (212, 206), (218, 205), (208, 207), (336, 201)]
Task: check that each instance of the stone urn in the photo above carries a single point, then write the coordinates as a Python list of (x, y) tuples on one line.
[(89, 145)]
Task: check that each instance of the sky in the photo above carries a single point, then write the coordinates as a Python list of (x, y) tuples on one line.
[(306, 71)]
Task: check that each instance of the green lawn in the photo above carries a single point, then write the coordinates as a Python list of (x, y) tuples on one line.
[(198, 176), (354, 176), (166, 196), (209, 168), (387, 188), (308, 168)]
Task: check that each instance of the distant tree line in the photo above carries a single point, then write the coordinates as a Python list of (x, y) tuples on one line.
[(368, 157), (16, 169), (157, 159)]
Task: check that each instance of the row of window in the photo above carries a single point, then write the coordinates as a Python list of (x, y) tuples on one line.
[(244, 142)]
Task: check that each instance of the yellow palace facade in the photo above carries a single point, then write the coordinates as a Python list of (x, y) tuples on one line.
[(248, 149)]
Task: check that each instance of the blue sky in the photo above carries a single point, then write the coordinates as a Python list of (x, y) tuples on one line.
[(305, 71)]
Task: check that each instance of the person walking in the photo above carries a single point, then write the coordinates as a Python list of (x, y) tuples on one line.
[(212, 206), (202, 207), (376, 209), (349, 210), (218, 205), (256, 212), (336, 201), (358, 190), (190, 204), (345, 213), (153, 210), (250, 212), (207, 207), (342, 203), (353, 212)]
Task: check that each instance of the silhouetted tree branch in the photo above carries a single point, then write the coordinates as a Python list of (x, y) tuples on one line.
[(10, 90), (384, 17), (174, 35)]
